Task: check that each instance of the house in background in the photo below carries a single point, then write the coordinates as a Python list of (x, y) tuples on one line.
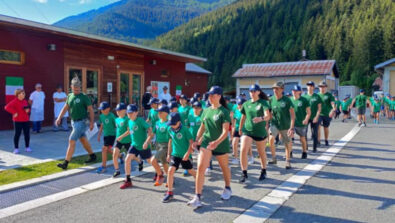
[(387, 70), (291, 73)]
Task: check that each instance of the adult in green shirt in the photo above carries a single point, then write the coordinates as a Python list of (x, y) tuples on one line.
[(122, 126), (213, 138), (153, 114), (255, 114), (78, 105), (302, 116), (360, 103), (283, 122), (345, 107), (107, 127), (327, 111), (315, 107), (141, 136)]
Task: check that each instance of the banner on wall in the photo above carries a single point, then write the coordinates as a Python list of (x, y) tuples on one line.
[(157, 87), (11, 84)]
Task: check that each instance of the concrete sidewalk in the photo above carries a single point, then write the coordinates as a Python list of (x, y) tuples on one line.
[(46, 146)]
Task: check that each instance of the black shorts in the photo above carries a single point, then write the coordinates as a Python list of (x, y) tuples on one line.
[(176, 161), (325, 121), (218, 153), (256, 138), (109, 140), (144, 154), (346, 112), (119, 145), (236, 134)]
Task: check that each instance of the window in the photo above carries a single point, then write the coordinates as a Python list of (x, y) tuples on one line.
[(12, 57)]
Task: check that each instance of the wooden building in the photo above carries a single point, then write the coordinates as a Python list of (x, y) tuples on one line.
[(110, 70), (387, 70)]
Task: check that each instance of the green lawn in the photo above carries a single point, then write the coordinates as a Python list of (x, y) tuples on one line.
[(42, 169)]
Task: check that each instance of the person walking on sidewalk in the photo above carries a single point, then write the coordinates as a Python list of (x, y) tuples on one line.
[(360, 103), (328, 110), (19, 108), (36, 100), (315, 107), (78, 105), (59, 99)]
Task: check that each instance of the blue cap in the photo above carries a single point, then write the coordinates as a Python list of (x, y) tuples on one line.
[(269, 95), (120, 106), (163, 108), (173, 99), (193, 100), (174, 118), (310, 83), (197, 104), (153, 101), (205, 97), (196, 95), (388, 95), (255, 87), (104, 105), (163, 102), (215, 90), (288, 94), (173, 104), (362, 90), (240, 101), (183, 96), (297, 88), (242, 94), (131, 108)]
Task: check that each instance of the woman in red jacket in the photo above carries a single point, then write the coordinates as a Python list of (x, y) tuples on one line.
[(19, 108)]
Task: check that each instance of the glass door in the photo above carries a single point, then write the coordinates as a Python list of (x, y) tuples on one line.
[(136, 87), (92, 90), (124, 87), (73, 72)]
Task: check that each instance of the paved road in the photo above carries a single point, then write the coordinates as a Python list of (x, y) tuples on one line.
[(143, 202)]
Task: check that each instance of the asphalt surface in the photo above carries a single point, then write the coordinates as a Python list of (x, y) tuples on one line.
[(142, 203)]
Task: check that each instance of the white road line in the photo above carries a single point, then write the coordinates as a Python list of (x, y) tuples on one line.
[(22, 207), (268, 205)]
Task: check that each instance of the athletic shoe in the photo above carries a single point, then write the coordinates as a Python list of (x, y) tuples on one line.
[(92, 158), (101, 170), (235, 161), (226, 194), (343, 120), (168, 197), (314, 150), (126, 184), (263, 175), (364, 124), (159, 181), (116, 173), (326, 143), (122, 158), (273, 162), (288, 165), (243, 179), (141, 166), (28, 150), (207, 172), (359, 124), (185, 173), (16, 151), (62, 166), (304, 155), (251, 160), (195, 202)]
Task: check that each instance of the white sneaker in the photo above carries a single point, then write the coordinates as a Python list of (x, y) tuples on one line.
[(195, 202), (235, 161), (251, 160), (208, 172), (226, 194)]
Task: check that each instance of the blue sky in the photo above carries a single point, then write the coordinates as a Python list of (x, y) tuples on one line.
[(48, 11)]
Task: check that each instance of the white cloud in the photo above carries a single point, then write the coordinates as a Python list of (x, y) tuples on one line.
[(41, 1)]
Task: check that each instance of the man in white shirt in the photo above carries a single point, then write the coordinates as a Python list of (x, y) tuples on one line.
[(59, 99), (165, 95), (36, 100)]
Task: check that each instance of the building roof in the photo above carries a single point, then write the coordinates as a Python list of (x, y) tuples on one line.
[(380, 67), (191, 67), (7, 20), (299, 68)]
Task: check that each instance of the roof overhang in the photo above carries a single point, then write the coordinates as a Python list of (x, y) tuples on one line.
[(380, 67)]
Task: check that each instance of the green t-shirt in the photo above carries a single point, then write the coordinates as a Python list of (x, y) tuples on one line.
[(360, 101), (194, 123), (327, 100), (314, 101), (280, 110), (138, 132), (345, 104), (203, 104), (338, 104), (376, 106), (387, 101), (122, 127), (213, 119), (300, 106), (237, 116), (153, 117), (161, 132), (252, 110), (108, 122), (180, 141), (184, 112), (230, 106), (392, 106), (78, 106)]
